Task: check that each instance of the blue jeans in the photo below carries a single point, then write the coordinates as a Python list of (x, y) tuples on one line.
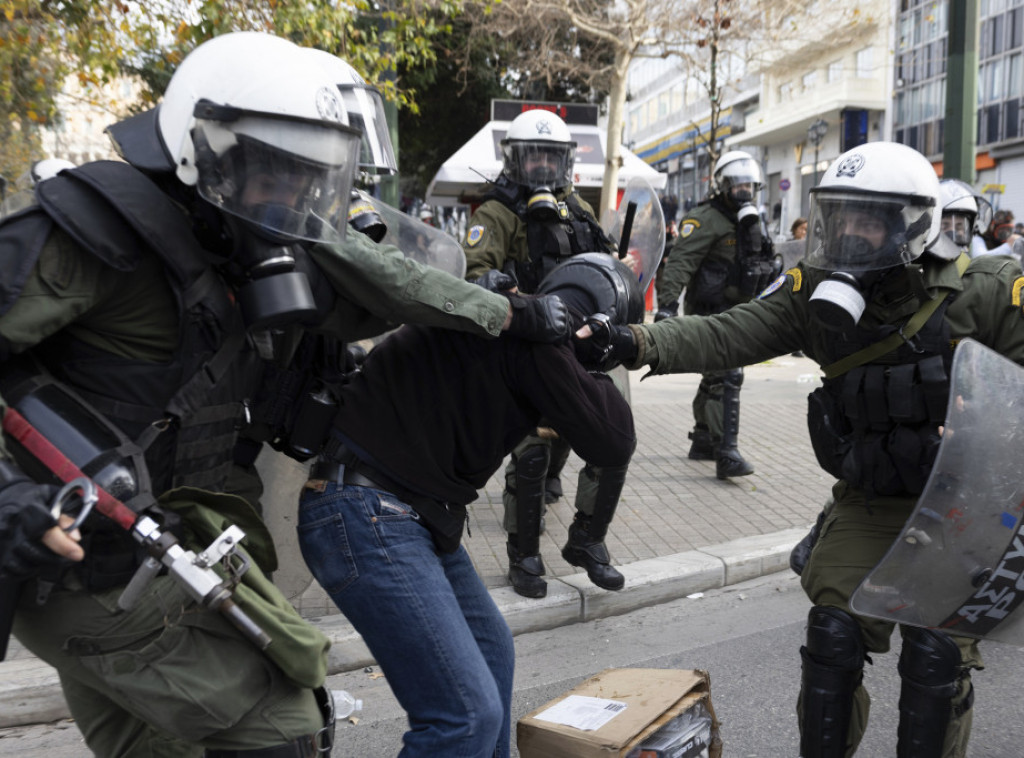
[(426, 617)]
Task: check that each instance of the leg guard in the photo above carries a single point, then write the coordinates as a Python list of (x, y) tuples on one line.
[(730, 463), (311, 746), (531, 470), (931, 670), (586, 546), (702, 446), (833, 666), (525, 567), (553, 483)]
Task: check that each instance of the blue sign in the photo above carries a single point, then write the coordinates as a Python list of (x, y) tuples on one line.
[(784, 185)]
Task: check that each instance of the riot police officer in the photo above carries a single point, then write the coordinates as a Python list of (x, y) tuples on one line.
[(721, 257), (532, 220), (146, 303), (880, 301)]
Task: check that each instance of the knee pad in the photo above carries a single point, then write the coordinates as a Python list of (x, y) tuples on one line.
[(833, 665), (733, 379), (931, 669), (834, 639), (532, 463)]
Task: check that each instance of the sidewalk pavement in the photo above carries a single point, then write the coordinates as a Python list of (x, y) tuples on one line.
[(678, 530)]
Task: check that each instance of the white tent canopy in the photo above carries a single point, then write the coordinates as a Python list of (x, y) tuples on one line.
[(462, 179)]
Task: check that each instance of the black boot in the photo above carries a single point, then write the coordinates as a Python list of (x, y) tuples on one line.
[(703, 445), (525, 572), (586, 547), (730, 463), (591, 555)]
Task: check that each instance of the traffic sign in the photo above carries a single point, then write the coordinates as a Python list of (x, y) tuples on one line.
[(784, 185)]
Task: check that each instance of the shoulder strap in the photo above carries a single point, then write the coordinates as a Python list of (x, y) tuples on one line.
[(905, 333)]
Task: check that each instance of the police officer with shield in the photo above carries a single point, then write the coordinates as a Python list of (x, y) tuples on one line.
[(146, 306), (880, 301), (531, 221), (721, 257)]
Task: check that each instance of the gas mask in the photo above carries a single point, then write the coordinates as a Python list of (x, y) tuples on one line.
[(750, 222), (542, 206), (365, 218), (269, 291), (839, 301)]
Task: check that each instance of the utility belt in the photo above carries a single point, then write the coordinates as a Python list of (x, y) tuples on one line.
[(443, 520)]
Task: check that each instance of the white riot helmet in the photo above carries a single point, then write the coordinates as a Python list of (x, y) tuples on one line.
[(964, 211), (46, 169), (538, 151), (365, 108), (259, 129), (876, 209), (737, 168), (889, 186)]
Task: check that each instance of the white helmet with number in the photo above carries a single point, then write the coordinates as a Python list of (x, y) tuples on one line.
[(539, 151), (876, 207), (735, 168), (964, 211), (365, 108), (259, 129)]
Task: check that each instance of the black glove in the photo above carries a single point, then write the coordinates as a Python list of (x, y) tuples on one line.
[(24, 519), (607, 346), (669, 311), (539, 318), (497, 281)]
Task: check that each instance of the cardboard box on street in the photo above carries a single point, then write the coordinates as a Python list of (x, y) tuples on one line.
[(582, 723)]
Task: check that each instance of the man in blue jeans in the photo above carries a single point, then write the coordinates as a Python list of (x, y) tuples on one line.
[(420, 429)]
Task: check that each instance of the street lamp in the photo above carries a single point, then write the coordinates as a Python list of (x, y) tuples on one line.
[(815, 134)]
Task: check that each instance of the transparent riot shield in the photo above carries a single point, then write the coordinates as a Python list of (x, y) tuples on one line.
[(790, 252), (283, 478), (646, 241), (421, 242), (958, 564)]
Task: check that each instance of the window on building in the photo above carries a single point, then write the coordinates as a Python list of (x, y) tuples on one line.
[(835, 71), (785, 92), (863, 63), (809, 79)]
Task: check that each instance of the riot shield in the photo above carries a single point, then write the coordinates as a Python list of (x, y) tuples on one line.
[(283, 478), (790, 251), (958, 564), (646, 226), (421, 242)]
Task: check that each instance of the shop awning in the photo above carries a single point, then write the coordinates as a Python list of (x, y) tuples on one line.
[(462, 179)]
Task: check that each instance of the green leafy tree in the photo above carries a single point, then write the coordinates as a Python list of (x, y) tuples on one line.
[(43, 42)]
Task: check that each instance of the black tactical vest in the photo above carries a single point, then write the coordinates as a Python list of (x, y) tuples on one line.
[(552, 242), (186, 412), (876, 426)]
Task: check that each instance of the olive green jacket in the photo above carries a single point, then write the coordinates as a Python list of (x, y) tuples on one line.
[(496, 235), (706, 235), (133, 314), (987, 307)]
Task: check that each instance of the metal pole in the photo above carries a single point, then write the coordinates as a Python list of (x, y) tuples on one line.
[(961, 92)]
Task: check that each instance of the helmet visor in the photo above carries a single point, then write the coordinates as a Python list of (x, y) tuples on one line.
[(958, 226), (535, 163), (864, 232), (744, 171), (288, 177), (365, 109)]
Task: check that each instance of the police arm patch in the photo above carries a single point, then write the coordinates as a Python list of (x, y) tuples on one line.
[(689, 225), (1018, 285), (474, 235)]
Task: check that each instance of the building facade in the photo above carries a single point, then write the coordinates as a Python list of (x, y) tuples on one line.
[(919, 94)]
